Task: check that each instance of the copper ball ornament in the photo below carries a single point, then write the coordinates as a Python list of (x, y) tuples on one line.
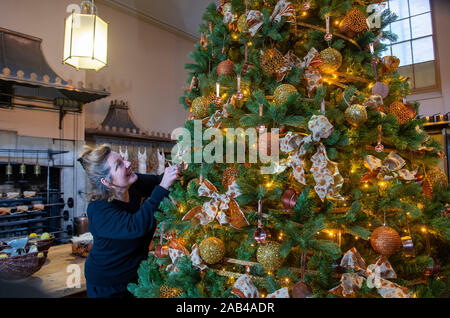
[(331, 60), (356, 115), (402, 111), (289, 199), (385, 240), (225, 68), (268, 255), (282, 93), (212, 250), (301, 290), (271, 61)]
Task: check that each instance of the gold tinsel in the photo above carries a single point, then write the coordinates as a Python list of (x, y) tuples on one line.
[(229, 175), (268, 255), (356, 114), (435, 179), (385, 240), (242, 23), (168, 292), (271, 61), (403, 112), (212, 250), (331, 60), (282, 93)]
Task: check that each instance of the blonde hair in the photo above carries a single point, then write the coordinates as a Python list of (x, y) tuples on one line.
[(94, 163)]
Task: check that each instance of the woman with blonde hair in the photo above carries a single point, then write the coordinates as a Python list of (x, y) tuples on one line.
[(121, 219)]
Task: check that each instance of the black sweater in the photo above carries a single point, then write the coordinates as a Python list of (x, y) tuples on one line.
[(122, 233)]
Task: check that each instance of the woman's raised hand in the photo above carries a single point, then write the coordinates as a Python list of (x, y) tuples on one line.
[(161, 161), (170, 175)]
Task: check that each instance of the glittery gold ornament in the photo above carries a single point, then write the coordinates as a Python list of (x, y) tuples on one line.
[(402, 111), (435, 179), (356, 114), (198, 107), (331, 60), (354, 23), (225, 67), (282, 93), (268, 255), (242, 23), (229, 175), (385, 240), (169, 292), (271, 61), (212, 250)]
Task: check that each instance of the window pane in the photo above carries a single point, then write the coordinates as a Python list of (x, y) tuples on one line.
[(400, 8), (407, 71), (403, 52), (402, 30), (421, 25), (423, 50), (419, 6), (424, 75)]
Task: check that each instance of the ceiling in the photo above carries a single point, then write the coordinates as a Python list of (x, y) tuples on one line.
[(182, 15)]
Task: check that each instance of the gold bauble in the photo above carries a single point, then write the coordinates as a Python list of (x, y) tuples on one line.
[(282, 93), (271, 61), (198, 107), (212, 250), (229, 175), (435, 179), (356, 114), (242, 23), (402, 111), (225, 67), (169, 292), (385, 240), (331, 60), (268, 255)]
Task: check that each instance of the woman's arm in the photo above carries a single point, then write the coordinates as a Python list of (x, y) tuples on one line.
[(146, 183), (109, 221)]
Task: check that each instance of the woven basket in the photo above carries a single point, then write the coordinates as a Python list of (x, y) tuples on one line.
[(44, 245), (21, 266)]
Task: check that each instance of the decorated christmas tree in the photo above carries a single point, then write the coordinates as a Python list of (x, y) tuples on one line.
[(348, 202)]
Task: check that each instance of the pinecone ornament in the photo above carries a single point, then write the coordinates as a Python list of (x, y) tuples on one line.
[(354, 23), (169, 292), (402, 111), (435, 179), (271, 61)]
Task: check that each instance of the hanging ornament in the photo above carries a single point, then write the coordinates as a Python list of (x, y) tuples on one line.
[(301, 290), (354, 23), (385, 240), (200, 107), (239, 94), (374, 102), (271, 61), (379, 147), (225, 67), (212, 250), (282, 93), (268, 255), (356, 115), (328, 36), (331, 60), (260, 235), (379, 88), (408, 246), (289, 199), (446, 211), (433, 269), (402, 111), (229, 176), (160, 249), (434, 179), (247, 64)]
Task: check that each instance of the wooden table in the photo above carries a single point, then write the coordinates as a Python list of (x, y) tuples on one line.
[(60, 273)]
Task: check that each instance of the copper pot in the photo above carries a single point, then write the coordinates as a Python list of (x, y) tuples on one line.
[(81, 224)]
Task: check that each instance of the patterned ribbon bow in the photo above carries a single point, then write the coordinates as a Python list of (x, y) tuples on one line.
[(177, 250), (376, 276), (312, 74), (326, 173), (215, 119), (290, 60), (244, 288), (222, 207), (392, 165), (283, 8)]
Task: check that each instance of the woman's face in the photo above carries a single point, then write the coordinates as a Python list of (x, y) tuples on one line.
[(121, 174)]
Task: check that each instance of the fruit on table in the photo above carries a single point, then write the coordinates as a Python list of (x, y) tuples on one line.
[(45, 236), (41, 254), (3, 255), (32, 235)]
